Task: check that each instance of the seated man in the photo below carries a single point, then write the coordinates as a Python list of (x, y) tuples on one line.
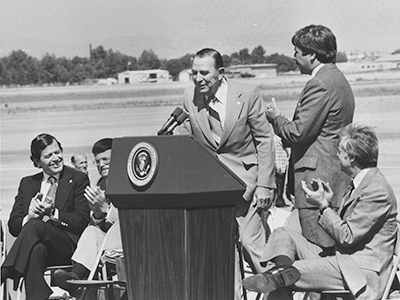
[(104, 214), (79, 161), (364, 229), (49, 214)]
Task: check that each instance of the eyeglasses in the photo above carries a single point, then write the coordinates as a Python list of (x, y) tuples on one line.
[(104, 160)]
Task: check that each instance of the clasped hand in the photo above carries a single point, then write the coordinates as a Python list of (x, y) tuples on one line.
[(320, 196), (263, 197), (97, 200), (39, 208)]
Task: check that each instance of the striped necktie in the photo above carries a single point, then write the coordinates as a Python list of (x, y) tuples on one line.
[(215, 123), (346, 196), (51, 194)]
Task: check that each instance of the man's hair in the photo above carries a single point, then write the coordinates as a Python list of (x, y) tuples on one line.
[(39, 143), (361, 144), (101, 146), (318, 40), (214, 54), (73, 157)]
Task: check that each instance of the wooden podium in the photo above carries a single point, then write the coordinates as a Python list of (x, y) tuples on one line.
[(176, 204)]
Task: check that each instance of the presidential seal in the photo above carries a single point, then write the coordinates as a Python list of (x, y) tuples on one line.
[(142, 164)]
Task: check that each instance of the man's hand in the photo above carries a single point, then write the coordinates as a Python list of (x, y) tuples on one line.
[(319, 197), (263, 197), (97, 201), (272, 111), (35, 207)]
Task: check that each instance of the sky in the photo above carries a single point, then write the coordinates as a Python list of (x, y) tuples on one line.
[(174, 28)]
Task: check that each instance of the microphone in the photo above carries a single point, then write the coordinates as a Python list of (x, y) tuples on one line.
[(179, 120), (170, 120)]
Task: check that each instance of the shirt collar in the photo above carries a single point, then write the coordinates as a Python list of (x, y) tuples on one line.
[(359, 177), (222, 91), (316, 69), (46, 176)]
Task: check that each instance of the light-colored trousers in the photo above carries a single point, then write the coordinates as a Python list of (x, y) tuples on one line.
[(88, 246)]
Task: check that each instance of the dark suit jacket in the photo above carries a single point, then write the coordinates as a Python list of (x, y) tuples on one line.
[(70, 201), (365, 235), (325, 107), (247, 145)]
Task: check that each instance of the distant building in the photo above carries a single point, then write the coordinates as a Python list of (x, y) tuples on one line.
[(143, 76), (255, 70), (185, 75), (382, 63)]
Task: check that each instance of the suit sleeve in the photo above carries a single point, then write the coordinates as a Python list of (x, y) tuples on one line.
[(78, 213), (19, 210), (310, 116), (185, 127), (369, 214), (263, 139)]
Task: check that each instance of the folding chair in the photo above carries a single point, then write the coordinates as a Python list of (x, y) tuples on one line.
[(112, 241)]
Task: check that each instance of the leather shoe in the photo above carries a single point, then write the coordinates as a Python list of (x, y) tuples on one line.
[(273, 279), (60, 278)]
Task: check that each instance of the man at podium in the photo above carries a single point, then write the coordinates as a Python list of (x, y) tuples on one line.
[(227, 118)]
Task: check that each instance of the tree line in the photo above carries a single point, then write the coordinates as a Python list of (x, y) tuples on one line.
[(21, 69)]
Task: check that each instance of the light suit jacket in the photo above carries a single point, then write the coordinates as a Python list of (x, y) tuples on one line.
[(326, 106), (365, 235), (247, 145)]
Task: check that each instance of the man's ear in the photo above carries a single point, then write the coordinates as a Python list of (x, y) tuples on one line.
[(313, 57), (221, 72), (35, 163)]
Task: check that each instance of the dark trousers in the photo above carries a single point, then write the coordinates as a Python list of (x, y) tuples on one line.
[(39, 245)]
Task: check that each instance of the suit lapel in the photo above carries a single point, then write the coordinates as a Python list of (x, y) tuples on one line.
[(64, 188), (357, 192), (234, 106)]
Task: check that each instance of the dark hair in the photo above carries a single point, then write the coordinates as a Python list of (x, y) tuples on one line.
[(39, 143), (102, 145), (361, 144), (318, 40), (219, 63)]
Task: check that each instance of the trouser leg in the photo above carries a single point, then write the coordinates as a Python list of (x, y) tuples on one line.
[(252, 236)]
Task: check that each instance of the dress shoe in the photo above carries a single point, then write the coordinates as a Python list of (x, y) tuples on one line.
[(60, 278), (273, 279)]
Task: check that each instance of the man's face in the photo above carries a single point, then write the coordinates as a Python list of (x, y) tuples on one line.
[(102, 162), (81, 163), (303, 61), (344, 159), (51, 160), (205, 77)]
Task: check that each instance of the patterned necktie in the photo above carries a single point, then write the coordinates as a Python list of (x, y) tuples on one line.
[(51, 194), (215, 123)]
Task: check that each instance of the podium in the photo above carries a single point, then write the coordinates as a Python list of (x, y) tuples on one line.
[(176, 203)]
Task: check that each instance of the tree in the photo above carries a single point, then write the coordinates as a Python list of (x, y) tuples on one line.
[(98, 53), (244, 56), (174, 67), (284, 63), (396, 51), (341, 57), (148, 60), (257, 55)]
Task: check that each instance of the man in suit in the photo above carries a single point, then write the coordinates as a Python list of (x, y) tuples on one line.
[(104, 214), (80, 162), (49, 214), (325, 107), (364, 230), (227, 118)]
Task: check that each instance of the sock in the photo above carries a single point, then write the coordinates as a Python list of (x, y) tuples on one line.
[(80, 270), (282, 260)]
